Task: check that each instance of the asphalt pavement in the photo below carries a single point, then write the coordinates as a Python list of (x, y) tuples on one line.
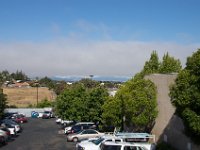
[(40, 134)]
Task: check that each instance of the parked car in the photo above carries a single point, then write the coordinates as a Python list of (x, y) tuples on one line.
[(20, 118), (58, 120), (9, 122), (4, 135), (47, 115), (2, 140), (67, 123), (94, 144), (120, 146), (10, 128), (79, 126), (6, 130), (84, 134), (9, 115), (40, 114)]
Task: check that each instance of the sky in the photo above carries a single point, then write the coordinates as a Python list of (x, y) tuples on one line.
[(98, 37)]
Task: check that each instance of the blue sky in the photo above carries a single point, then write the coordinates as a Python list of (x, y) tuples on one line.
[(104, 37)]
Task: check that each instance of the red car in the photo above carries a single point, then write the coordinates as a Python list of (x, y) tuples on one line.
[(20, 119)]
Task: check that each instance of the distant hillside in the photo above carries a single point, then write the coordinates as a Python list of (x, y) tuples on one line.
[(97, 78), (22, 97)]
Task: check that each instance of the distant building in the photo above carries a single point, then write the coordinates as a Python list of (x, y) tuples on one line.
[(16, 84), (112, 91)]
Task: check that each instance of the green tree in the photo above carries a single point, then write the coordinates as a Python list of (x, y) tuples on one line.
[(152, 66), (2, 103), (185, 93), (97, 97), (111, 115), (71, 104), (44, 103), (170, 64), (19, 75), (47, 82), (80, 103), (89, 83), (60, 87), (4, 76), (136, 102)]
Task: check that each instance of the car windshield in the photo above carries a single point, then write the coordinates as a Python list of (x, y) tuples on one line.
[(79, 132), (97, 141), (10, 122)]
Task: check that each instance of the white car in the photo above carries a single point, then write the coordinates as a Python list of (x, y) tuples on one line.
[(10, 128), (4, 135), (58, 120), (121, 146), (67, 129), (40, 114), (65, 122), (94, 144), (84, 134), (13, 124)]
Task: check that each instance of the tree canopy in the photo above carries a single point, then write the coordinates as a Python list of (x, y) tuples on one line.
[(185, 93), (81, 103), (168, 64), (2, 103), (135, 102), (44, 103), (152, 66), (18, 75)]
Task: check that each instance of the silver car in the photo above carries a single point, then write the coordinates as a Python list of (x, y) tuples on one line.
[(84, 134)]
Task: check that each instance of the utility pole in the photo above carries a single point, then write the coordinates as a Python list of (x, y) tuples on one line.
[(37, 84), (37, 94)]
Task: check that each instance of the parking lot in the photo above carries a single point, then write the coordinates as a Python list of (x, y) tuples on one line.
[(40, 134)]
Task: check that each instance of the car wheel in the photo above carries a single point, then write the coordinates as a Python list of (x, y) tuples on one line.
[(4, 142), (75, 139)]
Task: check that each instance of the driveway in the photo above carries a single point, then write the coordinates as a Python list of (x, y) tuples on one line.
[(40, 134)]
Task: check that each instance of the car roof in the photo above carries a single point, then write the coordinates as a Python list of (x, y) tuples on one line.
[(84, 123), (119, 143), (108, 136)]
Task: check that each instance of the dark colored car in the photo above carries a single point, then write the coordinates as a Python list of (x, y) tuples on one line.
[(8, 115)]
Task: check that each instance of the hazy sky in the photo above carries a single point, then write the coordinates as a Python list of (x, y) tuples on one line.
[(100, 37)]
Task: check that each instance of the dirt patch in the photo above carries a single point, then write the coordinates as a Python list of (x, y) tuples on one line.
[(22, 97)]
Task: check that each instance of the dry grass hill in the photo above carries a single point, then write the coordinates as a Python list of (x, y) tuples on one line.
[(23, 97)]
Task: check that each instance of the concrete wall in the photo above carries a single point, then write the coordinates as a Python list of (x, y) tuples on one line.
[(168, 126), (26, 111)]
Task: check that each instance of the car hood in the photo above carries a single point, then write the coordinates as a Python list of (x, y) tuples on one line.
[(68, 128), (89, 145)]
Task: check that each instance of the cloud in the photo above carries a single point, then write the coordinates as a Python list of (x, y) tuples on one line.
[(55, 28), (85, 57), (97, 30)]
